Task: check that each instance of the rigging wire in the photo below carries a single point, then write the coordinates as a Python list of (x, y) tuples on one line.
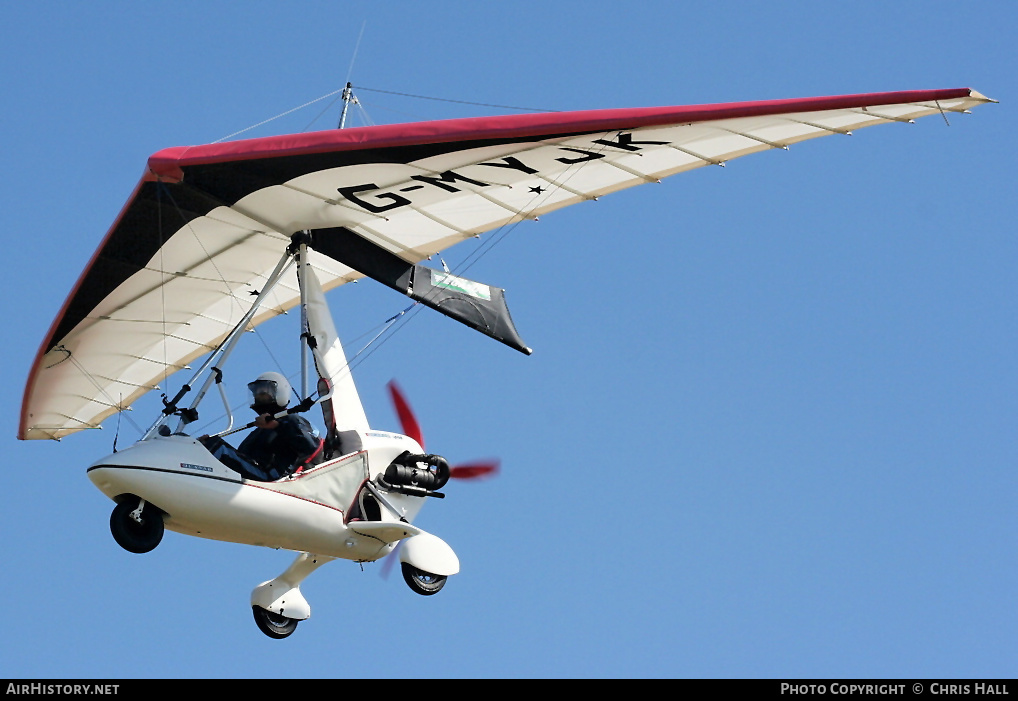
[(221, 278), (397, 322), (394, 323), (458, 102), (498, 235), (368, 121), (356, 48), (208, 256), (116, 434), (320, 114), (388, 92), (282, 114), (349, 72), (106, 395), (350, 364), (162, 280)]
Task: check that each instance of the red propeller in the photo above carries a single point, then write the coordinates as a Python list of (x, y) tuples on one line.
[(474, 470), (406, 415)]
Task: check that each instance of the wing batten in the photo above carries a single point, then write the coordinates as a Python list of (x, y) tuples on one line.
[(206, 223), (832, 130)]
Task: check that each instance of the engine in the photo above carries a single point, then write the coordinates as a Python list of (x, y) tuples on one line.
[(416, 475)]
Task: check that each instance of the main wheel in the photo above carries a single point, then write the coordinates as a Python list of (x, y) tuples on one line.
[(131, 535), (424, 583), (274, 625)]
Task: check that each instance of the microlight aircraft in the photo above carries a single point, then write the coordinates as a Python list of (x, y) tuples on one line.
[(217, 239)]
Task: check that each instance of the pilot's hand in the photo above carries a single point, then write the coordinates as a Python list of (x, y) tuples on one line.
[(266, 421)]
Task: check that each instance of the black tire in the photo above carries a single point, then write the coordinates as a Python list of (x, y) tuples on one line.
[(421, 582), (274, 625), (132, 536)]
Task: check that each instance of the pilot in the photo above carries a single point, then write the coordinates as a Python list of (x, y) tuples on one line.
[(278, 446)]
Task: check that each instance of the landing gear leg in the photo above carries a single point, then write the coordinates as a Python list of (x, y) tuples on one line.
[(278, 603)]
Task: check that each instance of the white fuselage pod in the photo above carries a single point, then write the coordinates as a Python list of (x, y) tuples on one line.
[(308, 512)]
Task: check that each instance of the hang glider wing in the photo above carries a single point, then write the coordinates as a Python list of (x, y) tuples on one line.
[(206, 224)]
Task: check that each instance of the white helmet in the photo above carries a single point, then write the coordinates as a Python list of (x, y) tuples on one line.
[(269, 389)]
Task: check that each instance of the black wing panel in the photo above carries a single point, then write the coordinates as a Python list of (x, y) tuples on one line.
[(475, 304)]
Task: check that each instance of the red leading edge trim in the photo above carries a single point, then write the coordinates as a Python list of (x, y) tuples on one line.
[(168, 163)]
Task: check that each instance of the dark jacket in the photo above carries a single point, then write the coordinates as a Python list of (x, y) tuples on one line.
[(279, 451)]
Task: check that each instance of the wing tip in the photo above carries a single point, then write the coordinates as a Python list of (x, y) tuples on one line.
[(975, 94)]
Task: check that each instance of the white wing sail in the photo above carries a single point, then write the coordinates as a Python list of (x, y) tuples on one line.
[(207, 223)]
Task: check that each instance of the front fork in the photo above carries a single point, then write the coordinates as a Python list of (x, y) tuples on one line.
[(136, 514)]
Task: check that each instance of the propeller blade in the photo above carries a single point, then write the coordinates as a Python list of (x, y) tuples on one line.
[(411, 428), (406, 416), (389, 561), (475, 470)]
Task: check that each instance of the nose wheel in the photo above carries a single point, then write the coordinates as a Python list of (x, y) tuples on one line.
[(274, 625), (137, 526), (424, 583)]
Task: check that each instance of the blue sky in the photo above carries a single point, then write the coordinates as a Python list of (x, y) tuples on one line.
[(768, 429)]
